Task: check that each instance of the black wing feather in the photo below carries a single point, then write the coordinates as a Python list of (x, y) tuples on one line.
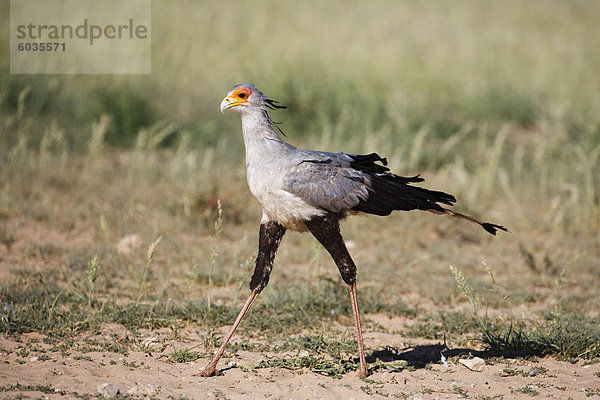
[(389, 192)]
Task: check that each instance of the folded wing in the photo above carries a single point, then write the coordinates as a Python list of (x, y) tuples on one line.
[(341, 182)]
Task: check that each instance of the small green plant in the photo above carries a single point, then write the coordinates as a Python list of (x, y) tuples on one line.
[(46, 389), (592, 392), (320, 365), (210, 340), (464, 286), (92, 275), (458, 390), (529, 390), (147, 269), (219, 394), (183, 355), (214, 247), (96, 142)]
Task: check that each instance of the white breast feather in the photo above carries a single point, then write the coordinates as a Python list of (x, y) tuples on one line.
[(280, 205)]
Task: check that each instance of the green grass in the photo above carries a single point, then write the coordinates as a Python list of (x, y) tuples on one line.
[(39, 304), (183, 355), (45, 389), (528, 390), (320, 365), (572, 337), (566, 335), (331, 356), (489, 112)]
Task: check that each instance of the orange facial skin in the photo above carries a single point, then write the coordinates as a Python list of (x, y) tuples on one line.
[(242, 94), (238, 97)]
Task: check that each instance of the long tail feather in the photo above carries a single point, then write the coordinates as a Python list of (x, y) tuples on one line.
[(389, 192), (491, 228)]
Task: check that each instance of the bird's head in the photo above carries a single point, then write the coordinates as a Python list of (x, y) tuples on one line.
[(247, 97)]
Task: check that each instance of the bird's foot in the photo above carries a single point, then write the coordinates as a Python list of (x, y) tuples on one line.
[(210, 370), (363, 373)]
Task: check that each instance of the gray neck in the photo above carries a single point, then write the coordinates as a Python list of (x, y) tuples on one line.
[(261, 141)]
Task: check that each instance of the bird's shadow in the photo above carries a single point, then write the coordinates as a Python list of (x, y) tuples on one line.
[(422, 355)]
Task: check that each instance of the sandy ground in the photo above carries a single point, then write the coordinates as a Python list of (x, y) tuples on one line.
[(145, 371), (147, 374)]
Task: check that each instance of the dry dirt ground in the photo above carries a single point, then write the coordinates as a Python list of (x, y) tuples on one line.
[(145, 374), (32, 368)]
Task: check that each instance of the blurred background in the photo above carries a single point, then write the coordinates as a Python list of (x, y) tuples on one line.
[(497, 102), (432, 85)]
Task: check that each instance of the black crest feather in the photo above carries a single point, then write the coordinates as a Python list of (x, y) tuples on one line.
[(273, 105)]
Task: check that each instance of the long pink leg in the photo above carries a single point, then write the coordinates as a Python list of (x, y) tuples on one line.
[(363, 371), (269, 236), (327, 231), (211, 368)]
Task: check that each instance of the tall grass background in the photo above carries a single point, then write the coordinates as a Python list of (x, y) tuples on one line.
[(495, 102), (503, 96)]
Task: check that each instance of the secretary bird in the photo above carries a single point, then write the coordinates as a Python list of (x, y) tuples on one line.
[(306, 190)]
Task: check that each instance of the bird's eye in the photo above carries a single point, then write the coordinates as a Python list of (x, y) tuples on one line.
[(242, 95)]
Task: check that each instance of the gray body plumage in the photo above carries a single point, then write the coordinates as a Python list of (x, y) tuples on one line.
[(295, 185), (326, 180)]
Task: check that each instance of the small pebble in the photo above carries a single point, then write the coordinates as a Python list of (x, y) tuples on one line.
[(142, 390), (474, 364), (108, 390)]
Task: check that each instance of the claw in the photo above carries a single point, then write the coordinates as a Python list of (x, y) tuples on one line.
[(208, 372)]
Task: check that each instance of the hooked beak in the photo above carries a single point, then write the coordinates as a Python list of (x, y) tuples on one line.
[(229, 102)]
